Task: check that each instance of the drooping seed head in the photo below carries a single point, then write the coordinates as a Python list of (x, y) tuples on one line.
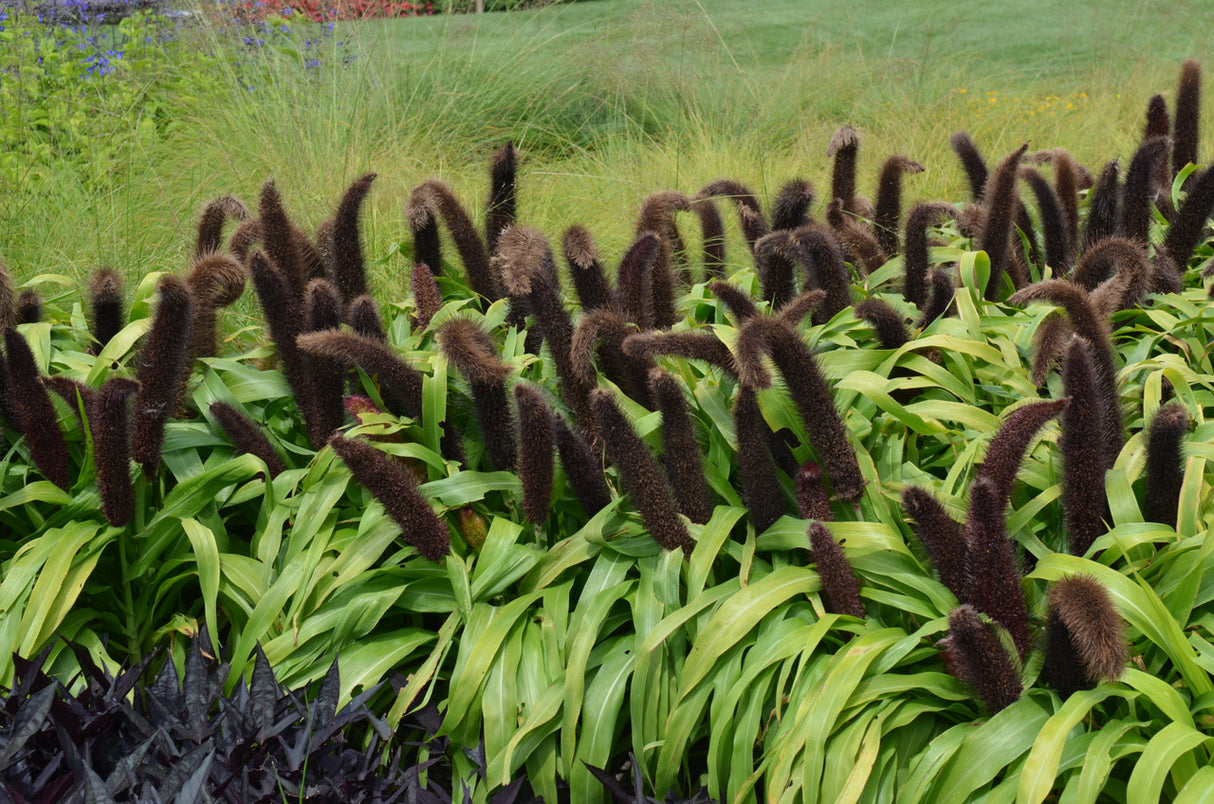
[(247, 436), (840, 590), (980, 661)]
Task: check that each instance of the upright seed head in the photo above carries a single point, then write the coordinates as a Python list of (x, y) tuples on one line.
[(363, 318), (277, 235), (33, 413), (941, 298), (634, 280), (8, 299), (891, 329), (583, 468), (750, 215), (1053, 221), (916, 255), (792, 205), (980, 660), (972, 162), (350, 272), (1007, 448), (1187, 126), (684, 468), (811, 494), (773, 262), (210, 223), (941, 537), (1188, 228), (426, 297), (501, 209), (1165, 463), (536, 439), (1104, 206), (1083, 464), (396, 491), (589, 280), (843, 146), (993, 574), (109, 424), (1139, 192), (889, 201), (163, 369), (760, 489), (840, 592), (818, 251), (712, 234), (29, 307), (475, 354), (1001, 204), (441, 200), (105, 298)]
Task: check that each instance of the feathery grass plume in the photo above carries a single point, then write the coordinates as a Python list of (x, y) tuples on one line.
[(712, 235), (525, 264), (164, 366), (941, 282), (29, 307), (247, 436), (109, 425), (326, 245), (819, 252), (891, 329), (363, 318), (210, 223), (535, 438), (1165, 463), (426, 296), (757, 474), (889, 201), (1006, 450), (801, 305), (349, 270), (583, 467), (1082, 447), (604, 332), (1104, 206), (33, 413), (586, 270), (475, 354), (840, 590), (844, 144), (791, 207), (860, 247), (994, 577), (105, 299), (1001, 205), (634, 280), (971, 162), (278, 239), (1139, 192), (1050, 341), (397, 492), (940, 536), (501, 209), (916, 254), (657, 216), (73, 392), (8, 298), (215, 280), (1085, 636), (811, 494), (684, 467), (400, 385), (750, 214), (1053, 221), (978, 659), (438, 200), (640, 476), (809, 392), (697, 345), (1089, 325), (1190, 222), (322, 313), (1186, 126), (1066, 188), (774, 267)]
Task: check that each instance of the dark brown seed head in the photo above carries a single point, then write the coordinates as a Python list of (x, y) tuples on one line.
[(215, 280), (1188, 228), (472, 350), (792, 205), (396, 491), (980, 661), (941, 537), (917, 256), (277, 235), (1188, 115), (500, 212), (640, 476), (105, 298), (693, 344), (739, 304), (891, 328), (1104, 206), (773, 262), (583, 468), (109, 425), (818, 251), (1053, 221), (1122, 261), (760, 488), (363, 318), (442, 202), (1165, 463), (811, 494), (712, 233), (634, 280), (350, 272), (29, 307), (889, 201), (1140, 192), (1001, 204), (400, 385), (750, 215), (1081, 444), (536, 437), (426, 297), (163, 368), (1094, 626), (243, 238), (604, 332), (1157, 123), (210, 223), (1007, 448), (972, 162), (843, 146), (800, 306), (941, 282), (247, 436), (33, 413), (840, 591), (8, 299), (1050, 342), (684, 468), (994, 576), (589, 280)]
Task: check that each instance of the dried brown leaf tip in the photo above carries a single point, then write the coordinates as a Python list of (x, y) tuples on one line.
[(247, 436), (840, 591), (977, 658), (396, 491), (33, 413), (1085, 636), (109, 424), (1165, 463), (163, 369), (640, 476), (536, 441)]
